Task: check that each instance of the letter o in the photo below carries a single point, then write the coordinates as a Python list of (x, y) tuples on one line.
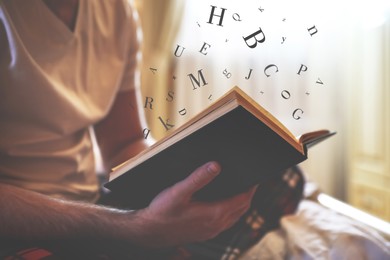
[(285, 94)]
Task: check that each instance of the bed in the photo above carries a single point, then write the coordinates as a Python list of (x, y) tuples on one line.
[(324, 228)]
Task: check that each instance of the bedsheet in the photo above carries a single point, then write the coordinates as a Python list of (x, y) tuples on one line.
[(316, 232)]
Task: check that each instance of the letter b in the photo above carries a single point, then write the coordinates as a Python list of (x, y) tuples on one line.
[(253, 36)]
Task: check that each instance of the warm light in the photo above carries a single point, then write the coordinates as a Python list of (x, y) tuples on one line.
[(354, 213)]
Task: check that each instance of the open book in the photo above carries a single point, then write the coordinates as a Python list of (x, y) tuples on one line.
[(248, 142)]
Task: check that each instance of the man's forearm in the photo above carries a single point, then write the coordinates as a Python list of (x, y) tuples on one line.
[(172, 218), (27, 215)]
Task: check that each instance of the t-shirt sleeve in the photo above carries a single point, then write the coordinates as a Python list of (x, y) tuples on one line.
[(131, 74)]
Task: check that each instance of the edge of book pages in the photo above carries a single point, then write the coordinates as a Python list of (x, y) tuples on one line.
[(224, 104)]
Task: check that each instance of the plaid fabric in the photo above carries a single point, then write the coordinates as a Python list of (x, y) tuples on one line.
[(278, 197)]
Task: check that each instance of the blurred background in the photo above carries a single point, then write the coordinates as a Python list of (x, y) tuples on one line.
[(342, 49)]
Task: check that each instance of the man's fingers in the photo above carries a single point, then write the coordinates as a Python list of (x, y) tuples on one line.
[(229, 211), (240, 202), (198, 179)]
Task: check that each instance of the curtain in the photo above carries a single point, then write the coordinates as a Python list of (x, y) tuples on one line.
[(160, 21)]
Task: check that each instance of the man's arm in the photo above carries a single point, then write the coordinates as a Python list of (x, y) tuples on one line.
[(172, 218), (120, 134)]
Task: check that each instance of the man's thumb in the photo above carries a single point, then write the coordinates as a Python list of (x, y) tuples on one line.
[(198, 178)]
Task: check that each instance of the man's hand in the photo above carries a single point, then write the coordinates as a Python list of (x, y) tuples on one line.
[(174, 218)]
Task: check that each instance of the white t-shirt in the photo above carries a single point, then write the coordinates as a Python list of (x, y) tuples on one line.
[(54, 84)]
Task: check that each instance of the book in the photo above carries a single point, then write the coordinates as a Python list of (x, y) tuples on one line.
[(248, 142)]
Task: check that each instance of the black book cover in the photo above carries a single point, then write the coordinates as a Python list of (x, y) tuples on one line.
[(247, 150)]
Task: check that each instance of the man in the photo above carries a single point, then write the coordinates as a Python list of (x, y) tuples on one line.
[(66, 65)]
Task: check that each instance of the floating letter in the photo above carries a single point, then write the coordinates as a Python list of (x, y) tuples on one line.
[(220, 16), (319, 81), (227, 74), (197, 81), (302, 68), (204, 47), (146, 132), (253, 35), (170, 96), (269, 66), (285, 94), (153, 70), (313, 30), (183, 112), (148, 100), (298, 110), (249, 75), (166, 125), (177, 48), (236, 17)]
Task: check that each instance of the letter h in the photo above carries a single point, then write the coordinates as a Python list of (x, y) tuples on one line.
[(220, 16)]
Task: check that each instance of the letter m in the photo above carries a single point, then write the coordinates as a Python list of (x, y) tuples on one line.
[(196, 81)]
